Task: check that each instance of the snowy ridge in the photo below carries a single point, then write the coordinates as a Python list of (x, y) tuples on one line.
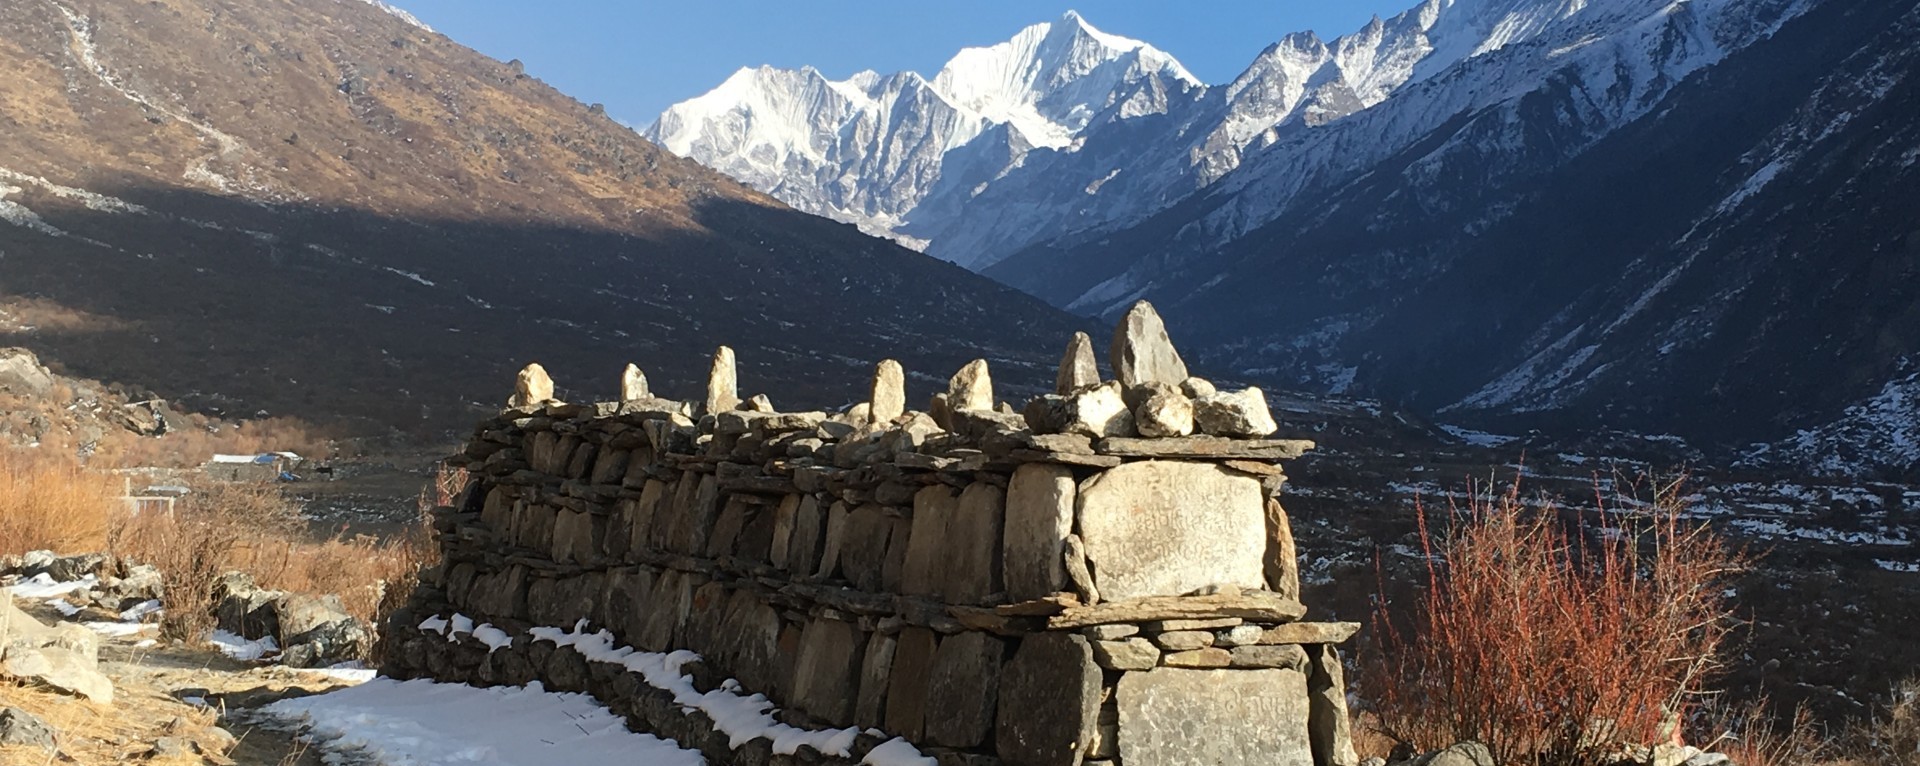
[(868, 149), (1881, 432), (399, 14)]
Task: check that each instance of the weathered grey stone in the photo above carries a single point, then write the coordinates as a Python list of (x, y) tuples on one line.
[(1283, 561), (863, 552), (861, 413), (1074, 555), (1130, 654), (19, 728), (809, 536), (1239, 414), (889, 398), (971, 388), (1049, 701), (1158, 528), (1240, 635), (826, 678), (692, 523), (836, 540), (1197, 658), (1251, 450), (633, 385), (933, 510), (1162, 626), (1184, 640), (1078, 369), (973, 542), (21, 373), (1310, 633), (1039, 518), (531, 388), (759, 403), (1195, 388), (1141, 350), (1328, 725), (940, 410), (643, 514), (1099, 412), (784, 517), (913, 656), (1180, 717), (962, 690), (723, 383), (1270, 656), (876, 666), (1164, 414), (1112, 632)]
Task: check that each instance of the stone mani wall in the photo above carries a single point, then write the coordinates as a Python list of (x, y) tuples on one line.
[(1043, 589)]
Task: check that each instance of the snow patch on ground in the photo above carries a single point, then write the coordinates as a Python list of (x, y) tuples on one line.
[(43, 586), (239, 648), (423, 723)]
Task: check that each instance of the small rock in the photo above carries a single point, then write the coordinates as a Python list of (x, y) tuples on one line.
[(1195, 388), (1113, 632), (1142, 352), (1164, 415), (1099, 412), (971, 388), (760, 403), (1130, 654), (723, 383), (22, 729), (1241, 414), (633, 385), (1198, 658), (889, 396), (171, 747), (1463, 754), (1078, 370), (531, 388), (1265, 656), (1240, 635), (1184, 640)]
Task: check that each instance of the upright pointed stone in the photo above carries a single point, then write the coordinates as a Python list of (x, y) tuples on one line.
[(633, 385), (1078, 369), (1142, 352), (971, 388), (532, 387), (723, 383), (889, 397)]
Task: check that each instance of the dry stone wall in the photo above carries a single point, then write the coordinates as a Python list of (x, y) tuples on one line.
[(965, 584)]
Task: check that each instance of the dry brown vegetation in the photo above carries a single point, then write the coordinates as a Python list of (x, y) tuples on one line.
[(1554, 640), (50, 502)]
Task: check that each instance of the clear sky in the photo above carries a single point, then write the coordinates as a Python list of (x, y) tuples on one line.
[(640, 56)]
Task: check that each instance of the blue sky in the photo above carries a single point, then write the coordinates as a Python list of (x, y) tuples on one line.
[(639, 56)]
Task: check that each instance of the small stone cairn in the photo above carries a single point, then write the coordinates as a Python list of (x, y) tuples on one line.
[(1106, 578)]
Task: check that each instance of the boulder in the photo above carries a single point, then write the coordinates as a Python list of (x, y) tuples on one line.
[(21, 373), (63, 657), (1141, 351), (1240, 414), (1078, 369), (1463, 754), (315, 631), (1098, 412)]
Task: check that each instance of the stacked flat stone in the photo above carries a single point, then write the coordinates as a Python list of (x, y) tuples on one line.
[(988, 589)]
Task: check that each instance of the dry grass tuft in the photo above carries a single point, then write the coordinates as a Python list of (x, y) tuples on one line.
[(1553, 639), (200, 541), (49, 502)]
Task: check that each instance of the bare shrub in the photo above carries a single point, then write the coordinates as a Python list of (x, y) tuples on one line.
[(199, 541), (1892, 737), (48, 501), (1553, 639), (1752, 734)]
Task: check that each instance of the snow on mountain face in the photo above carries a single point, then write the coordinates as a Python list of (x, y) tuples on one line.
[(867, 149)]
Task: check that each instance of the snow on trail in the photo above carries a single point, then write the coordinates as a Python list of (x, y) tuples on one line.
[(423, 723)]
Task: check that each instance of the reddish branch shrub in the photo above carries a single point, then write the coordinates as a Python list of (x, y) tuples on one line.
[(1553, 638)]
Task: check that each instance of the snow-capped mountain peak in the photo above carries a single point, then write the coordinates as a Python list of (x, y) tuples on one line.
[(1051, 78), (867, 149)]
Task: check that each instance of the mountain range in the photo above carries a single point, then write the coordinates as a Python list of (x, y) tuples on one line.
[(1672, 217), (322, 209)]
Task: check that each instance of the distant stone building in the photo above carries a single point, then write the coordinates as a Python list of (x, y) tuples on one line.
[(266, 466)]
